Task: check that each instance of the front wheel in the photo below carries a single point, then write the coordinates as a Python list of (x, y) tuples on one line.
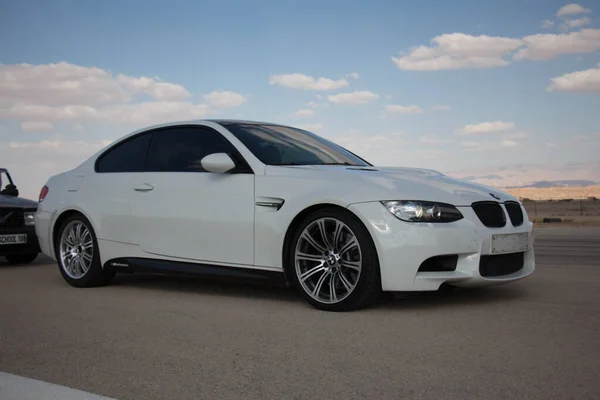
[(333, 261), (77, 254)]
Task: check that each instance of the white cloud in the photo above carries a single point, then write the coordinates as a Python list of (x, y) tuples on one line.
[(392, 109), (382, 149), (315, 105), (442, 108), (516, 135), (551, 145), (44, 159), (304, 112), (579, 81), (549, 46), (66, 92), (301, 81), (36, 126), (311, 127), (471, 145), (475, 146), (154, 87), (575, 23), (138, 114), (224, 99), (572, 9), (457, 51), (433, 140), (353, 98), (547, 24), (430, 153), (61, 83), (485, 127), (509, 143), (353, 75)]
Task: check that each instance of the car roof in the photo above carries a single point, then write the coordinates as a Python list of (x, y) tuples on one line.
[(226, 122), (221, 121)]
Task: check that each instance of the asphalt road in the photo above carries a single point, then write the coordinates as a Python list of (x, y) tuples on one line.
[(164, 338)]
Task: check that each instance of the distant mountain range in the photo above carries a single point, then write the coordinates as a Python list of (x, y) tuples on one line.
[(551, 184)]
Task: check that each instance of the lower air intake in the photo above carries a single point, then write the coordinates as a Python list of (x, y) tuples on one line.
[(439, 264), (501, 264)]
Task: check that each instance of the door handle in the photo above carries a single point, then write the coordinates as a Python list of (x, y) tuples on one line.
[(146, 187)]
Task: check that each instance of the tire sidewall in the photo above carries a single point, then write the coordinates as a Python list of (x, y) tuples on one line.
[(95, 268), (369, 283)]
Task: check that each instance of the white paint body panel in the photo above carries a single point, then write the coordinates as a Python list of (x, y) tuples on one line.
[(223, 219), (206, 217)]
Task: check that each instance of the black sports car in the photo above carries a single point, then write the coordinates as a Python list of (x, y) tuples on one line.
[(18, 240)]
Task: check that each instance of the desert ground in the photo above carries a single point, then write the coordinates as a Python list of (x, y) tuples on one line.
[(555, 193), (573, 205), (149, 337)]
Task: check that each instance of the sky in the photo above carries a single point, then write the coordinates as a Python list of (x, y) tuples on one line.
[(503, 93)]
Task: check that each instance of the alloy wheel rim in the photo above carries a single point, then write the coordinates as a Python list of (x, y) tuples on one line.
[(76, 249), (328, 260)]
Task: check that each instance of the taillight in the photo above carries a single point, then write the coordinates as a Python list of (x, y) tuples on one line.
[(43, 193)]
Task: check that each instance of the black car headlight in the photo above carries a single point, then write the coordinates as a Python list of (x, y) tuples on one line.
[(422, 211), (29, 218)]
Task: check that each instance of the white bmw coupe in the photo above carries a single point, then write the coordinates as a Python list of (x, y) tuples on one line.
[(263, 201)]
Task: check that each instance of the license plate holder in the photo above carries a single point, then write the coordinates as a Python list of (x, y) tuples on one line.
[(18, 238), (510, 243)]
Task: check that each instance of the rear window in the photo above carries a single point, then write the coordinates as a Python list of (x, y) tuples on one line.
[(128, 156)]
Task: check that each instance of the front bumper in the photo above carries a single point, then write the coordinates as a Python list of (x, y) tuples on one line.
[(403, 247), (32, 245)]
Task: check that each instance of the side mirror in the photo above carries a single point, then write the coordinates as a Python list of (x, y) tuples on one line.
[(217, 162)]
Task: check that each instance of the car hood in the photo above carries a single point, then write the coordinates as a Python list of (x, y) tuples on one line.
[(400, 183), (16, 202)]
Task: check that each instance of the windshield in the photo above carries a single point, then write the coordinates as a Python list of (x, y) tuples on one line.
[(6, 186), (3, 180), (282, 145)]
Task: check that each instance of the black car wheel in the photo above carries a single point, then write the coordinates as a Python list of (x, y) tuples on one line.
[(77, 254), (333, 261)]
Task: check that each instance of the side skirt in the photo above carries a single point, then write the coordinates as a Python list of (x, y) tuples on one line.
[(178, 268)]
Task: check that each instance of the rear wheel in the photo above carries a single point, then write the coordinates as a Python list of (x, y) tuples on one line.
[(77, 254), (333, 261), (21, 258)]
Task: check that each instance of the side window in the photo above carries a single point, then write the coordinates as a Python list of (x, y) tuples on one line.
[(129, 156), (181, 149)]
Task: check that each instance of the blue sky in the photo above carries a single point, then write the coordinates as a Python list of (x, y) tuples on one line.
[(235, 47)]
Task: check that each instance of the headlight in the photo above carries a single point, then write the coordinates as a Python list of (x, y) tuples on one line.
[(30, 218), (423, 211)]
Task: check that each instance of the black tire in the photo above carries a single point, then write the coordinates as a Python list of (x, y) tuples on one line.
[(95, 275), (21, 258), (368, 287)]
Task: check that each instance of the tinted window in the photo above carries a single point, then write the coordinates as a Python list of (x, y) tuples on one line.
[(281, 145), (182, 149), (129, 156)]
